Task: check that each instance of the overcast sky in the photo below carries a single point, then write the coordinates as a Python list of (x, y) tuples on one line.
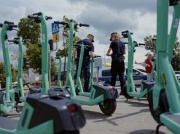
[(103, 16)]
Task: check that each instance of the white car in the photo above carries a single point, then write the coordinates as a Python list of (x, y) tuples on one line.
[(14, 84), (177, 73), (104, 75)]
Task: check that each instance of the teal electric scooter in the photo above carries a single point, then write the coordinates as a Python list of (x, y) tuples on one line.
[(7, 98), (45, 113), (78, 84), (129, 91), (19, 90), (164, 102), (105, 96)]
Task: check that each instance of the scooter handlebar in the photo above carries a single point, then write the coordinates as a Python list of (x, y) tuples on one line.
[(38, 14), (60, 22), (14, 26), (48, 17), (32, 17), (17, 38), (83, 25), (11, 40), (141, 44), (8, 22)]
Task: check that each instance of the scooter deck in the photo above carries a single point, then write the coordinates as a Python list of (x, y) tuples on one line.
[(87, 94), (9, 103), (7, 123), (138, 94), (172, 121), (84, 100)]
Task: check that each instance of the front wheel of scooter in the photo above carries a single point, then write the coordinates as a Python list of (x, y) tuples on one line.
[(162, 108), (108, 106), (126, 95)]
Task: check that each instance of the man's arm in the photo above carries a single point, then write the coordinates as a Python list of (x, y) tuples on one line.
[(91, 53), (108, 51)]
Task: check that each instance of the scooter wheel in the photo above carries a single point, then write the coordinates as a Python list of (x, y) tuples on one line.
[(162, 108), (108, 106), (126, 95)]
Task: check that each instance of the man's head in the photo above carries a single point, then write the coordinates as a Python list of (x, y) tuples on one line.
[(90, 37), (114, 36)]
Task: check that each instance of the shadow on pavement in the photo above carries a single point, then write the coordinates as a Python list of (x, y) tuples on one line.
[(104, 118), (137, 104), (146, 131)]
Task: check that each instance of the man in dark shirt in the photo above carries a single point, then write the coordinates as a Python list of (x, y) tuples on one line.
[(88, 53), (117, 64)]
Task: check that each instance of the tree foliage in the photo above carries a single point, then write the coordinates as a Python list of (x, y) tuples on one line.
[(63, 52), (28, 29), (53, 68), (150, 44), (3, 75)]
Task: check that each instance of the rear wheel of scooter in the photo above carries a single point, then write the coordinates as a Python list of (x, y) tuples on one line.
[(108, 106), (126, 95), (163, 105)]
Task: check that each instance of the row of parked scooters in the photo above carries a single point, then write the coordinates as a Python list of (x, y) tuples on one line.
[(49, 110), (58, 110)]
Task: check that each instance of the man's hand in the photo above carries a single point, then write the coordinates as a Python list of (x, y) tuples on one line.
[(108, 54)]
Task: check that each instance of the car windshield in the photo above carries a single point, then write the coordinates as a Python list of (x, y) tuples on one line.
[(142, 70), (177, 72)]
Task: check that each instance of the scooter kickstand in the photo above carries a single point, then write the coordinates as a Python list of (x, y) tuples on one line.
[(158, 126)]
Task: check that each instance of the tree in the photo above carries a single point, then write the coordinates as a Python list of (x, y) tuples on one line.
[(63, 52), (3, 75), (150, 44), (53, 68), (28, 29)]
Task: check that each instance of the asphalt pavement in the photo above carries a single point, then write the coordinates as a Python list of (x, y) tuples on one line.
[(132, 117)]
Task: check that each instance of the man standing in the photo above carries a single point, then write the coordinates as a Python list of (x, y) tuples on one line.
[(117, 63), (88, 53)]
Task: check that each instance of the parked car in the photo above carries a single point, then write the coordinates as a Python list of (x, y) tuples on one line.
[(104, 75), (177, 73), (14, 84)]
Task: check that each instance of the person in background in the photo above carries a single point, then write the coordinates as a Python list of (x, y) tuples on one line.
[(88, 53), (148, 66), (117, 64)]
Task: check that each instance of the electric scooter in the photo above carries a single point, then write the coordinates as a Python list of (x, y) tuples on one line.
[(78, 84), (129, 91), (105, 96), (45, 113), (44, 41), (19, 91), (164, 101), (7, 98)]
